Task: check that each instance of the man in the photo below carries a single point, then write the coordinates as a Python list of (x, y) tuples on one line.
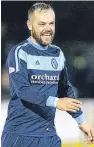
[(38, 85)]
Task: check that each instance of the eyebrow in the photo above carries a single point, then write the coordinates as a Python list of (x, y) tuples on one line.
[(45, 22)]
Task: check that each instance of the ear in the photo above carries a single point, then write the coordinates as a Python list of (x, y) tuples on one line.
[(29, 25)]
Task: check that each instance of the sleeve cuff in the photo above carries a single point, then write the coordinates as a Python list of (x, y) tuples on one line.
[(80, 119), (51, 101)]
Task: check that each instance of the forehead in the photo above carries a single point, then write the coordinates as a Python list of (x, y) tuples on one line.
[(44, 15)]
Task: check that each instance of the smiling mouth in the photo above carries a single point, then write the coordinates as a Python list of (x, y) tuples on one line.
[(47, 35)]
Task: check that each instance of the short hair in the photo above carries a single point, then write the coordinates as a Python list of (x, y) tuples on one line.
[(39, 5)]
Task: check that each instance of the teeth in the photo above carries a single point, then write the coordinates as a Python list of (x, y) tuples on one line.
[(46, 35)]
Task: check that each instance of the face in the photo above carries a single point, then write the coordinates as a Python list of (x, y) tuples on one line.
[(43, 26)]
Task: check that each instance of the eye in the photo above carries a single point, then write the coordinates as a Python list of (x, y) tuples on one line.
[(52, 23), (41, 24)]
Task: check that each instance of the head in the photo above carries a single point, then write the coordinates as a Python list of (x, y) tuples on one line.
[(41, 23)]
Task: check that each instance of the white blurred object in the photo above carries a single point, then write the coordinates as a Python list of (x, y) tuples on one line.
[(4, 106), (67, 128)]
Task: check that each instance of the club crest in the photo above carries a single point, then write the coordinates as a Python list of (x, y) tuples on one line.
[(54, 63)]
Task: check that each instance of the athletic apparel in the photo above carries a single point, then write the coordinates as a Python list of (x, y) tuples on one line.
[(14, 140), (37, 76)]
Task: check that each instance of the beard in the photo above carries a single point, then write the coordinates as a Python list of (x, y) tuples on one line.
[(40, 39)]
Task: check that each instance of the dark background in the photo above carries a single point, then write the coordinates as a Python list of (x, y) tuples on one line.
[(74, 34)]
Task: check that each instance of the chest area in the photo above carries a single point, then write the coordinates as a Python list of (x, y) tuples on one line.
[(46, 63)]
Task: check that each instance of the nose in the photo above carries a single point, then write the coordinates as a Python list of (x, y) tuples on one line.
[(47, 27)]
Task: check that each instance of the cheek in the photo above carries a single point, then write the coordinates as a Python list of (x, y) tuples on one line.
[(38, 30), (53, 28)]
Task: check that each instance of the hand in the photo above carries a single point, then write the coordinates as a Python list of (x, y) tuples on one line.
[(68, 104), (88, 132)]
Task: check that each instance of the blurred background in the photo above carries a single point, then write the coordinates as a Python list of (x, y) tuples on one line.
[(74, 34)]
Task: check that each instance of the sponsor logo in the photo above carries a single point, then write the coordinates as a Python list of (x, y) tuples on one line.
[(54, 63), (44, 79)]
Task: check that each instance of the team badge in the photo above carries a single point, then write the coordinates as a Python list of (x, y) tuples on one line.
[(54, 63)]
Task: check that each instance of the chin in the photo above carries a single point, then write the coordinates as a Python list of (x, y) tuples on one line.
[(46, 43)]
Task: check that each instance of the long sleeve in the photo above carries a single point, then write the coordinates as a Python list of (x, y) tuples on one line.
[(18, 77), (68, 92)]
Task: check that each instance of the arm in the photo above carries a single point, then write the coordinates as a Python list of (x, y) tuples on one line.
[(67, 101), (79, 117), (88, 132)]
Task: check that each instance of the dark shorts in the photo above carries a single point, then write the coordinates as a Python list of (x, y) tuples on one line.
[(13, 140)]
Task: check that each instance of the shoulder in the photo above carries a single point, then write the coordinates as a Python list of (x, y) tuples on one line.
[(61, 53), (54, 46), (21, 46), (17, 52)]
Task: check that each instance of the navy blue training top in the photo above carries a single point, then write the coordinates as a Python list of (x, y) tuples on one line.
[(35, 74)]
